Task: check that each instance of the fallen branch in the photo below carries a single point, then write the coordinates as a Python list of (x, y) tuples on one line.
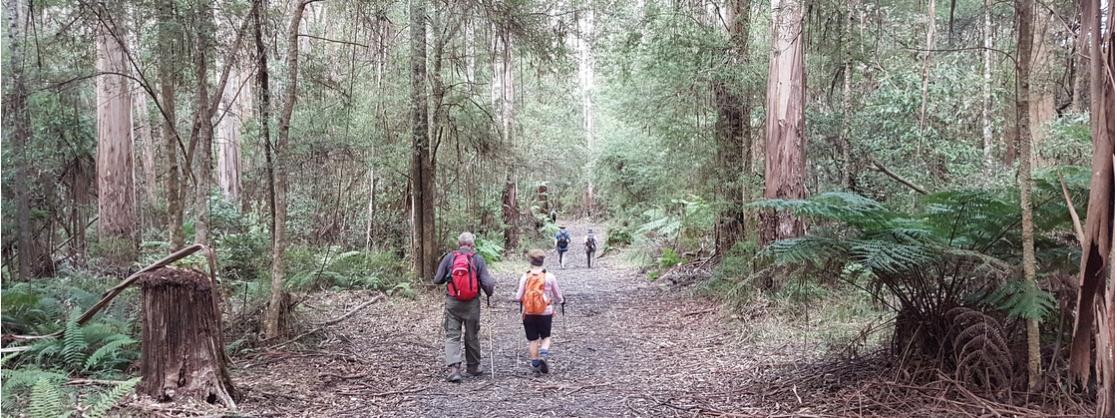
[(897, 177), (116, 290), (394, 392), (1073, 214), (323, 325)]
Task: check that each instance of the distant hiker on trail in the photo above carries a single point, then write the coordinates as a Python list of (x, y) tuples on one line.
[(562, 244), (554, 215), (465, 276), (591, 247), (537, 293)]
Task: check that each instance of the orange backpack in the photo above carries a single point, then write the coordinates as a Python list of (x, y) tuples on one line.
[(535, 298)]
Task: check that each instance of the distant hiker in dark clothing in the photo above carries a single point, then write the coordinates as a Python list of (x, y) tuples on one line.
[(554, 216), (562, 244), (465, 276), (537, 293), (591, 248)]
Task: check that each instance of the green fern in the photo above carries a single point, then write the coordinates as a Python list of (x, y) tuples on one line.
[(109, 400), (74, 343), (110, 348), (46, 400), (1022, 300)]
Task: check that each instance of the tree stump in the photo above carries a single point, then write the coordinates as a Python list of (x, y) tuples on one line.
[(183, 353)]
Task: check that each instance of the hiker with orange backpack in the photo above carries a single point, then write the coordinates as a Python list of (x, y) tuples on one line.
[(537, 293), (465, 276)]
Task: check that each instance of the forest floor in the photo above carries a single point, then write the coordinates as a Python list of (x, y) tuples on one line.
[(625, 347)]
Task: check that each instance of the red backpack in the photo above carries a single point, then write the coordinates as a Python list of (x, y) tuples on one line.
[(463, 285)]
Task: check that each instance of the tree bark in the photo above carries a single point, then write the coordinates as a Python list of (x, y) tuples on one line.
[(183, 349), (168, 35), (730, 136), (928, 61), (234, 106), (277, 307), (586, 88), (117, 225), (784, 166), (510, 214), (422, 184), (1094, 319), (144, 141), (34, 260), (202, 131), (987, 91), (1024, 20)]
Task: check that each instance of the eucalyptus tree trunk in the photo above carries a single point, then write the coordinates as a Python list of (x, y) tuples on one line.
[(422, 184), (234, 107), (730, 136), (784, 166), (33, 255), (277, 306), (201, 134), (168, 30), (987, 91), (144, 141), (586, 86), (117, 225), (1094, 319), (928, 61), (1024, 20)]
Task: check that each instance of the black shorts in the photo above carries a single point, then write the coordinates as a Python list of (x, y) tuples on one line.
[(537, 326)]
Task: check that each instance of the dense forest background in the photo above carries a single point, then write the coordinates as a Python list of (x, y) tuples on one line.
[(784, 152)]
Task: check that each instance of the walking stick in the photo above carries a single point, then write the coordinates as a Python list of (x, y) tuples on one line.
[(492, 350)]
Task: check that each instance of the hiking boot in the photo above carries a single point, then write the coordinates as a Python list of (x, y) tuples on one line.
[(455, 375), (543, 366), (474, 370)]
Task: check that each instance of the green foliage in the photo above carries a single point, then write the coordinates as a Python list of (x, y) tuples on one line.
[(350, 269), (669, 258), (113, 397), (490, 250), (916, 256), (46, 400)]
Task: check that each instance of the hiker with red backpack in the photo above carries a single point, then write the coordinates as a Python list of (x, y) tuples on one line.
[(538, 292), (465, 276)]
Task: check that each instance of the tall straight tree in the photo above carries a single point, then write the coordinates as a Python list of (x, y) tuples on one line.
[(201, 134), (422, 176), (17, 132), (730, 133), (1024, 20), (168, 29), (277, 306), (586, 88), (784, 165), (117, 225), (1094, 320)]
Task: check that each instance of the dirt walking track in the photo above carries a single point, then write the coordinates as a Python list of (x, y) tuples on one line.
[(624, 348)]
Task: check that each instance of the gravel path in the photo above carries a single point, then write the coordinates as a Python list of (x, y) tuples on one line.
[(624, 347)]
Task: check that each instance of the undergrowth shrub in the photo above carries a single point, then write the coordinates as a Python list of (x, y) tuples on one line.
[(308, 270)]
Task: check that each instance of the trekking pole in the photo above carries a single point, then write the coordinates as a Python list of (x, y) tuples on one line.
[(562, 307), (492, 350)]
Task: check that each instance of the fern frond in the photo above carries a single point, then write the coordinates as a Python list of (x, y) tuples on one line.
[(112, 398), (46, 400), (814, 250), (110, 348), (73, 342), (1022, 300)]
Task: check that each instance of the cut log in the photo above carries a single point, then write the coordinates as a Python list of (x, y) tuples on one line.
[(183, 349)]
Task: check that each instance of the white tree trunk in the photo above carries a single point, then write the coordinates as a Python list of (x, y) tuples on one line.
[(586, 86), (145, 143), (987, 92), (236, 105)]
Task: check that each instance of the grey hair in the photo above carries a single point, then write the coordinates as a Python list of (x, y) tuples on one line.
[(466, 238)]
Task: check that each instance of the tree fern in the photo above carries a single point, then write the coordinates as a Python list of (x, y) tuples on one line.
[(109, 400), (1022, 300)]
